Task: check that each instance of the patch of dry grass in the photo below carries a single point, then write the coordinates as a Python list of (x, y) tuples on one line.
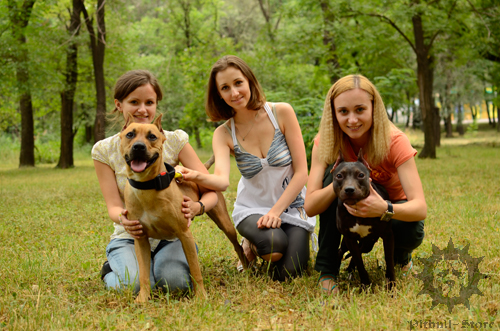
[(54, 229)]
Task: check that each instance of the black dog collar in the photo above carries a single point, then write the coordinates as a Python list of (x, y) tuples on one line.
[(160, 182)]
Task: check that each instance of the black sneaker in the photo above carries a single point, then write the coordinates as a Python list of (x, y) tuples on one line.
[(106, 269)]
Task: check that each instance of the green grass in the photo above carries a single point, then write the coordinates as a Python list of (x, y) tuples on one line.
[(54, 229)]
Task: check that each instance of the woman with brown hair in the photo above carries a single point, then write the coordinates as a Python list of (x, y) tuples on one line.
[(354, 118), (266, 140), (137, 93)]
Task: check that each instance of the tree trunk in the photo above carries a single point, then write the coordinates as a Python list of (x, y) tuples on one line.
[(473, 112), (197, 137), (460, 117), (425, 71), (19, 18), (409, 111), (88, 133), (98, 47), (448, 126), (27, 156), (437, 126), (491, 118), (68, 95), (329, 41), (498, 118)]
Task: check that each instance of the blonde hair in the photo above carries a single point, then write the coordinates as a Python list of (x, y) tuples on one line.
[(333, 139)]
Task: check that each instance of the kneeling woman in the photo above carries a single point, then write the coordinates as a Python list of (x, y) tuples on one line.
[(137, 93), (266, 140), (354, 118)]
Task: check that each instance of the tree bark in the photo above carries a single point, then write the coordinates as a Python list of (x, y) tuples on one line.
[(460, 116), (498, 118), (19, 18), (448, 126), (425, 80), (98, 47), (68, 94)]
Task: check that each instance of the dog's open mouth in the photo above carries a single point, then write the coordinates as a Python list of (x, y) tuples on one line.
[(138, 165)]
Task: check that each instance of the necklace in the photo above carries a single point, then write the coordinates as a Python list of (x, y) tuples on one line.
[(243, 137)]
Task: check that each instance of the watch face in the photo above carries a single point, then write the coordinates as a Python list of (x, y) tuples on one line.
[(387, 216)]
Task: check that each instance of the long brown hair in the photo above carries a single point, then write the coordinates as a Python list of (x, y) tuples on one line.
[(333, 139), (216, 108)]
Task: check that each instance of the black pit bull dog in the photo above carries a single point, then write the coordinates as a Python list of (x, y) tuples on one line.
[(351, 184)]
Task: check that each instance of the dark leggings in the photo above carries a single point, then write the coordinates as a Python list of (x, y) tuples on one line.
[(290, 240), (407, 236)]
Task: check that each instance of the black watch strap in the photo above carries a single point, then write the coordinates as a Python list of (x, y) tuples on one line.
[(390, 209)]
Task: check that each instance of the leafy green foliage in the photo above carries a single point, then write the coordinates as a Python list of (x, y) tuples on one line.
[(283, 42)]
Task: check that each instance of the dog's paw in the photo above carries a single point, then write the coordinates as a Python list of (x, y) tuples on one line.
[(142, 297)]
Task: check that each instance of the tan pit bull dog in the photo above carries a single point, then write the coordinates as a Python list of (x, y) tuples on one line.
[(159, 207)]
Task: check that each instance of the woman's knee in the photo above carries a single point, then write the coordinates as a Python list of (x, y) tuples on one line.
[(123, 263), (171, 269), (273, 242), (408, 235), (120, 281), (173, 279)]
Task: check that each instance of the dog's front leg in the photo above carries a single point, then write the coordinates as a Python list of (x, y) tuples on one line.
[(340, 257), (143, 253), (189, 248), (389, 257), (357, 258), (219, 215)]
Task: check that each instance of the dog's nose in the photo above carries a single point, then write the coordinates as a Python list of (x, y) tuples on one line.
[(139, 147), (349, 190)]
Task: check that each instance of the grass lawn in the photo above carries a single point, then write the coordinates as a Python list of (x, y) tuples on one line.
[(54, 229)]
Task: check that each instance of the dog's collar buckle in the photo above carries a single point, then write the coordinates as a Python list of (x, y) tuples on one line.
[(160, 182)]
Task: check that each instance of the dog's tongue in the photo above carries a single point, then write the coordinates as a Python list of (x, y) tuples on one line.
[(138, 166)]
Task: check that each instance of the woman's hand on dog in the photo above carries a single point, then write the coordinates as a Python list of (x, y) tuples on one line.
[(187, 174), (190, 209), (371, 206), (133, 227)]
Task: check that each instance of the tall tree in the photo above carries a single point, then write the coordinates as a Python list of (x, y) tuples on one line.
[(68, 93), (426, 20), (98, 47), (19, 18), (487, 13)]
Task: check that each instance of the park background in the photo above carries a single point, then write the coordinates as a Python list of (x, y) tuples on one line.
[(436, 64)]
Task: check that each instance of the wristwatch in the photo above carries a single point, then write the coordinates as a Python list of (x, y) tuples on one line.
[(387, 215)]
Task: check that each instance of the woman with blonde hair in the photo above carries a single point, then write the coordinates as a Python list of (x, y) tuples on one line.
[(354, 118)]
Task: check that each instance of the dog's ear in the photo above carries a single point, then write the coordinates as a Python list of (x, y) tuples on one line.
[(362, 160), (157, 122), (128, 121), (340, 159)]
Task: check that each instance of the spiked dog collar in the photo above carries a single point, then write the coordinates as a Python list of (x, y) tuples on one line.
[(160, 182)]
